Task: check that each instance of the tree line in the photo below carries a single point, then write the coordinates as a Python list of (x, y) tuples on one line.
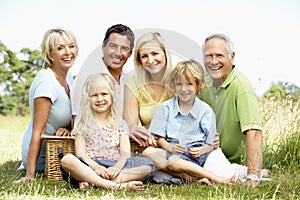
[(18, 69)]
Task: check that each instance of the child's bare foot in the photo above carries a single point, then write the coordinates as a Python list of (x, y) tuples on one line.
[(84, 186), (187, 178), (132, 185), (233, 180), (229, 181), (204, 181)]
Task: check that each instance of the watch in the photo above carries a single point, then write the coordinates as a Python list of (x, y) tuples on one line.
[(253, 177)]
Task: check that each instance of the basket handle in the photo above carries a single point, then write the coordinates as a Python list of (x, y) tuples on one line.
[(60, 152)]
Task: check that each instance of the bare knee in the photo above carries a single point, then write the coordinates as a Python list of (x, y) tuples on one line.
[(146, 170), (148, 151), (173, 167), (67, 160), (173, 164)]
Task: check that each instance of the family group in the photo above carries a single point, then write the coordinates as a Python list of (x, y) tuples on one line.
[(194, 123)]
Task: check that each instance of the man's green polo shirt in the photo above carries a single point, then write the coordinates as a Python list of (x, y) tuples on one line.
[(236, 107)]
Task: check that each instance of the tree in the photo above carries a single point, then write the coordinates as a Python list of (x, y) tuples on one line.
[(282, 90), (17, 71)]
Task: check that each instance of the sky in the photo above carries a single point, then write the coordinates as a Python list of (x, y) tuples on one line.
[(265, 33)]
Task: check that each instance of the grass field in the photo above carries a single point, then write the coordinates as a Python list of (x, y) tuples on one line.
[(281, 155)]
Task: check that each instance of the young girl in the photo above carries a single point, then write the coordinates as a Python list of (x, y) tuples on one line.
[(185, 128), (102, 144)]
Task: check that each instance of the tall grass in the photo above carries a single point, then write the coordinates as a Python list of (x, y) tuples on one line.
[(281, 156), (281, 131)]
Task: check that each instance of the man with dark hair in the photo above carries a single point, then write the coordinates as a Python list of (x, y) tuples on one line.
[(116, 48)]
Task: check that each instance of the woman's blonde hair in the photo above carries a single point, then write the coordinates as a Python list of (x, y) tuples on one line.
[(85, 120), (50, 38), (192, 71), (142, 76)]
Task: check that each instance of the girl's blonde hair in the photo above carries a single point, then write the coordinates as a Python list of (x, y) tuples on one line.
[(142, 76), (85, 120), (192, 71), (50, 38)]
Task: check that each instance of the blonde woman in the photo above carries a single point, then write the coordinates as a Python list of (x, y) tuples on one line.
[(102, 143), (49, 98), (147, 89)]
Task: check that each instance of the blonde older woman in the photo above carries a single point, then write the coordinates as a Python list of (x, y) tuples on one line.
[(49, 98)]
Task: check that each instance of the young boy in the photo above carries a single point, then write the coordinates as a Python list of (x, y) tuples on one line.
[(185, 128)]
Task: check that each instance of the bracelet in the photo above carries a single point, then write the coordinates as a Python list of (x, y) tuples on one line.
[(253, 177)]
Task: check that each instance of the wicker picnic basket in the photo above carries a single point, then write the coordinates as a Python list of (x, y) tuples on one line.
[(56, 147)]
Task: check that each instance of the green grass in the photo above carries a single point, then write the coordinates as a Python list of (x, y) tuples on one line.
[(281, 156)]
